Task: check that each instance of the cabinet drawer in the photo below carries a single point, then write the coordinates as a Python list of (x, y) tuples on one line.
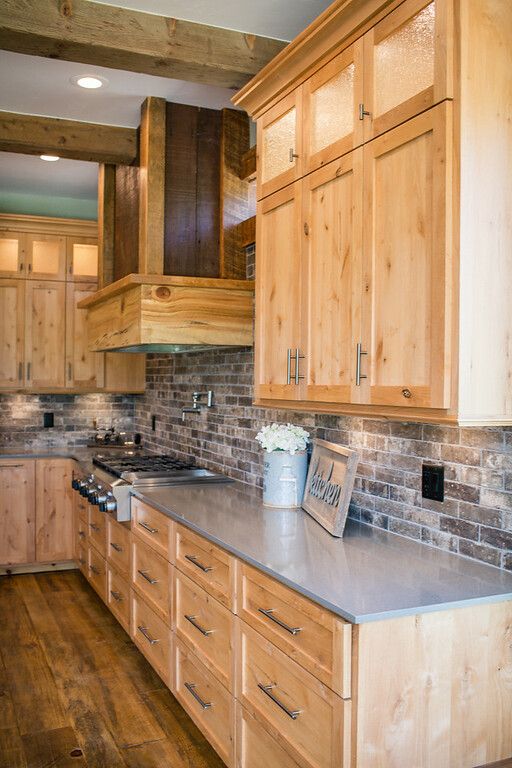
[(118, 596), (208, 703), (306, 717), (97, 572), (254, 745), (152, 578), (81, 532), (206, 626), (315, 638), (81, 507), (98, 529), (152, 636), (118, 546), (206, 564), (81, 557), (153, 527)]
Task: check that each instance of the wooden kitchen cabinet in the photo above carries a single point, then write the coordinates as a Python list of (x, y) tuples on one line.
[(54, 510), (12, 333), (46, 256), (280, 145), (12, 253), (82, 259), (429, 322), (45, 334), (84, 369), (17, 511)]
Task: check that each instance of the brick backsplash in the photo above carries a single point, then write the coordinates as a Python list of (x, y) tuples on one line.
[(21, 418), (475, 519)]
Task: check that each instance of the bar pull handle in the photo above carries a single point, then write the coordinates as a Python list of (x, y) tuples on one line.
[(298, 357), (363, 112), (117, 596), (116, 547), (94, 527), (192, 620), (147, 527), (191, 688), (288, 366), (144, 575), (204, 568), (359, 375), (267, 690), (70, 371), (94, 570), (20, 371), (29, 368), (144, 631), (293, 155), (269, 613)]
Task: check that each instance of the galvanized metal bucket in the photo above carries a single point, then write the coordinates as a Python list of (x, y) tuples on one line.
[(284, 478)]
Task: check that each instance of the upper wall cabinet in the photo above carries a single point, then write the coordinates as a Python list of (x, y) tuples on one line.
[(82, 258), (46, 257), (12, 253), (392, 231), (280, 145)]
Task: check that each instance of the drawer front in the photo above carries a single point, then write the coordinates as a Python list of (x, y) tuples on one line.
[(152, 578), (152, 636), (153, 527), (315, 638), (118, 596), (208, 703), (97, 572), (307, 718), (255, 747), (80, 533), (81, 557), (206, 626), (80, 506), (98, 529), (118, 546), (206, 564)]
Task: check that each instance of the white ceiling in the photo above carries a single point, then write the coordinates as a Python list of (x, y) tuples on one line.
[(40, 86)]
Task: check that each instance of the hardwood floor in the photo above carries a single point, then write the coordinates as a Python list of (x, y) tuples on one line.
[(75, 691)]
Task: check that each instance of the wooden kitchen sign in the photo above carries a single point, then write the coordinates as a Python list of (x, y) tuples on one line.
[(329, 485)]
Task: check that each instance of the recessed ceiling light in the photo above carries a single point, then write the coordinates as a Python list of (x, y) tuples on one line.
[(49, 158), (91, 82)]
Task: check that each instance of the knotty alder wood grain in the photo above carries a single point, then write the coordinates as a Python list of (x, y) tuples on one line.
[(71, 679), (35, 135), (102, 35)]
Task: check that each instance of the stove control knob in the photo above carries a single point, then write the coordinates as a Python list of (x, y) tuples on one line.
[(110, 504), (75, 484), (83, 485), (99, 497), (92, 493)]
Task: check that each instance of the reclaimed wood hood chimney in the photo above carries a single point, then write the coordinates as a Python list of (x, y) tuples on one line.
[(172, 266)]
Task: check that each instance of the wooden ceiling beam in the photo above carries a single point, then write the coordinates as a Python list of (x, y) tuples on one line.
[(103, 35), (34, 135)]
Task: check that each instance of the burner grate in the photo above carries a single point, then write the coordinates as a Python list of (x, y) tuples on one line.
[(117, 465)]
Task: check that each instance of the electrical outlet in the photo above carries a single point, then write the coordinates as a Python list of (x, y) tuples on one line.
[(432, 482), (153, 422), (48, 420)]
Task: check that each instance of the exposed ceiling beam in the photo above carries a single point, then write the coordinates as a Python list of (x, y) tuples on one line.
[(103, 35), (33, 135)]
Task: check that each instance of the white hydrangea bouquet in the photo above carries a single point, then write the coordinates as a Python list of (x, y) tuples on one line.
[(285, 464), (283, 437)]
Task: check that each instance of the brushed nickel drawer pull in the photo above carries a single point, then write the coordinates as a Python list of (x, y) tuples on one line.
[(116, 595), (94, 527), (191, 688), (267, 690), (359, 375), (288, 366), (81, 561), (148, 637), (94, 570), (144, 575), (147, 527), (269, 613), (192, 620), (204, 568), (116, 547), (81, 534)]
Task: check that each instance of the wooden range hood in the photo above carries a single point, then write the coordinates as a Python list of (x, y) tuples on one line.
[(171, 261)]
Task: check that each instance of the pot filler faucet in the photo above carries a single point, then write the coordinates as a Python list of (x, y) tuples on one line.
[(197, 404)]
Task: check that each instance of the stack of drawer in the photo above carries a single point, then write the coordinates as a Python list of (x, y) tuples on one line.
[(151, 586), (80, 531), (118, 570), (97, 550)]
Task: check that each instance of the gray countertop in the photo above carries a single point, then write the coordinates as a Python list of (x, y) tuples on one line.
[(367, 575)]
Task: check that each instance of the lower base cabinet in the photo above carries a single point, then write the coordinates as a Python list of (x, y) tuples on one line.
[(152, 636), (97, 572), (118, 597), (255, 748)]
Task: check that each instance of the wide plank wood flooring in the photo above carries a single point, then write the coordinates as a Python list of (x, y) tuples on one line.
[(75, 691)]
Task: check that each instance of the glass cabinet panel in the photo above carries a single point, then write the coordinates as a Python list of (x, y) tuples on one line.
[(82, 259), (46, 257), (12, 252), (279, 145)]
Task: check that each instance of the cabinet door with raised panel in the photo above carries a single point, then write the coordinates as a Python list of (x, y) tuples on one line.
[(408, 264), (12, 253), (279, 145), (84, 369), (45, 334), (278, 295), (330, 100), (46, 257), (12, 323), (333, 198), (54, 510), (17, 511), (407, 64), (82, 258)]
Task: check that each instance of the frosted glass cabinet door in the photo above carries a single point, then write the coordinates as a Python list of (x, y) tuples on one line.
[(279, 145), (407, 64), (12, 254), (331, 99), (82, 259), (46, 257)]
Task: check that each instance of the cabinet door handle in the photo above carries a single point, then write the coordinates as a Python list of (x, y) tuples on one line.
[(204, 568), (117, 596), (81, 534), (20, 371), (144, 631), (144, 575), (70, 370), (267, 690), (21, 266), (192, 620), (29, 366), (147, 527), (191, 688), (116, 547), (293, 155), (94, 570), (359, 375), (298, 357), (94, 527), (30, 267), (269, 614), (363, 112), (288, 366)]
